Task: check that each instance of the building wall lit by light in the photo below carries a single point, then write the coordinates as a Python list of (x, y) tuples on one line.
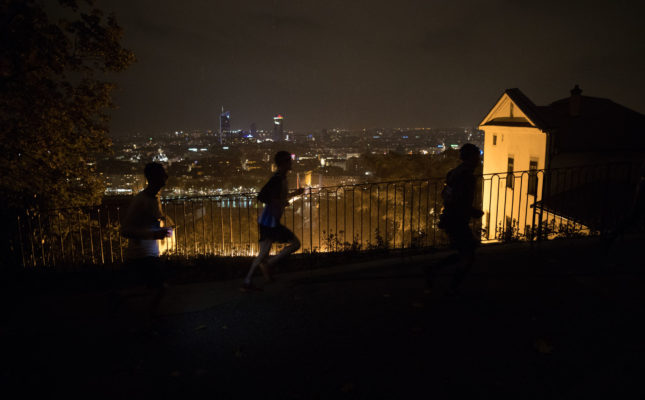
[(512, 143)]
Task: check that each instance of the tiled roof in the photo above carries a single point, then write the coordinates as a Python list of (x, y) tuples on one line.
[(597, 121), (527, 106)]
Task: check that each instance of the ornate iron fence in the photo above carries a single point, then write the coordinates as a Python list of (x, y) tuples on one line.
[(523, 205)]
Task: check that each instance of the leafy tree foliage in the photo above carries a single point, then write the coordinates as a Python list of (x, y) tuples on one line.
[(403, 166), (54, 95)]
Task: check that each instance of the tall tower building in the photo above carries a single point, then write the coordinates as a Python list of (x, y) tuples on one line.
[(224, 124), (278, 128)]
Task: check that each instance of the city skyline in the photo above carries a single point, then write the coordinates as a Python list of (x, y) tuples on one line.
[(366, 64)]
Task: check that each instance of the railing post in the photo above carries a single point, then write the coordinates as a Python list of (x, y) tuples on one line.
[(394, 219), (336, 217), (98, 213), (311, 222), (212, 243), (344, 216), (387, 200), (118, 217), (378, 211), (109, 226), (328, 230), (49, 229), (70, 229), (541, 217), (403, 220), (427, 241), (369, 223), (353, 212), (42, 240), (60, 237), (361, 214), (80, 235), (203, 228), (22, 249), (434, 218)]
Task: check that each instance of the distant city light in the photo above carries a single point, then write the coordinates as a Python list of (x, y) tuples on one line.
[(118, 190), (196, 178)]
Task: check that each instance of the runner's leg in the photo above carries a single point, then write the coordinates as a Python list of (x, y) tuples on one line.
[(466, 245), (265, 249), (294, 244)]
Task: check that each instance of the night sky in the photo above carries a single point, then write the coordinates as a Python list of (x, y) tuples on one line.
[(361, 64)]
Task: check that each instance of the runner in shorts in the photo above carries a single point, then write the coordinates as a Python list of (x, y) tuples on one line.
[(275, 196), (145, 225)]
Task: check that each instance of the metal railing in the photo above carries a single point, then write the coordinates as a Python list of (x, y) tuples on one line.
[(523, 205), (543, 204)]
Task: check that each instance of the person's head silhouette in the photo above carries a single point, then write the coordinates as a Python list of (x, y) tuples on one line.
[(283, 161), (156, 176), (469, 154)]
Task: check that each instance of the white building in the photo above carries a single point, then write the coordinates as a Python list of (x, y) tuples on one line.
[(564, 138)]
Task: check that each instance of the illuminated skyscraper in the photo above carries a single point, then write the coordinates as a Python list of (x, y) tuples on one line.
[(278, 128), (224, 123)]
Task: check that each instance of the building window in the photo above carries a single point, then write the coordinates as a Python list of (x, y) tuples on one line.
[(510, 178), (533, 178), (494, 140)]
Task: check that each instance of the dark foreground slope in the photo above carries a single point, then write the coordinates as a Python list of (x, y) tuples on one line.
[(558, 320)]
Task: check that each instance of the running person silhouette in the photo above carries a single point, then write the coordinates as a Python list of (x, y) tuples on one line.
[(144, 225), (458, 195), (275, 196)]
